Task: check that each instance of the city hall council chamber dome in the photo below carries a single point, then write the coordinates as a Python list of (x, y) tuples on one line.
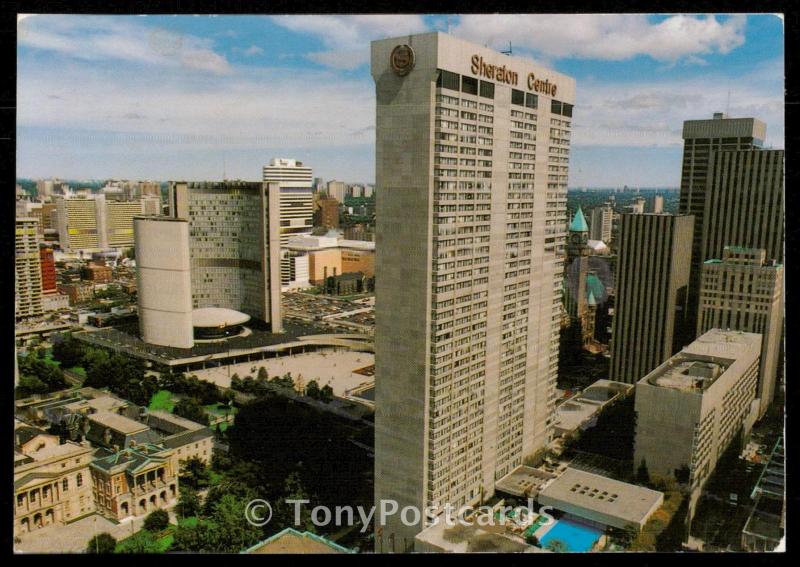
[(211, 323)]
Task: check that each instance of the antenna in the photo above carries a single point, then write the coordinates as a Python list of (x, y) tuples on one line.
[(509, 52), (728, 104)]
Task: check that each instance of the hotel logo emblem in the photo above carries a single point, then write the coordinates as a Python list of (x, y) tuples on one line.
[(402, 60)]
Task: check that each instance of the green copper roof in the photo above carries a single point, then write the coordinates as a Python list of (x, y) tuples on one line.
[(594, 286), (578, 223), (591, 300)]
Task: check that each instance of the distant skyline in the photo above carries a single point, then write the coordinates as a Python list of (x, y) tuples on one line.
[(188, 97)]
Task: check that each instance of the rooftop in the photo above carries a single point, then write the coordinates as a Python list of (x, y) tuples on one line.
[(524, 481), (118, 422), (619, 503), (293, 541), (217, 317)]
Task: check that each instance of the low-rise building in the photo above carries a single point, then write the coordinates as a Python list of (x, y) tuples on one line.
[(77, 292), (601, 500), (135, 481), (51, 480), (292, 541)]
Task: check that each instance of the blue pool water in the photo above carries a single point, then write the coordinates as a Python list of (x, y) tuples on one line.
[(576, 537)]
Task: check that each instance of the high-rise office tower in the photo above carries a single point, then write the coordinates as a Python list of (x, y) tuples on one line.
[(744, 202), (328, 212), (468, 267), (234, 245), (119, 222), (337, 190), (163, 281), (28, 281), (743, 291), (651, 284), (78, 220), (701, 139), (48, 269), (657, 204), (297, 196), (600, 225)]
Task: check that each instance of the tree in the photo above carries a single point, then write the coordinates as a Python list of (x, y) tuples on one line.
[(191, 409), (156, 521), (68, 351), (141, 542), (642, 474), (312, 389), (682, 474), (326, 393), (262, 374), (102, 543), (30, 385), (188, 503), (202, 536), (194, 473)]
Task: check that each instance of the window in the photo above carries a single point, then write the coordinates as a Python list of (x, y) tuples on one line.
[(517, 97), (447, 80), (487, 89), (531, 100), (469, 85), (65, 485), (566, 109), (79, 479), (555, 107)]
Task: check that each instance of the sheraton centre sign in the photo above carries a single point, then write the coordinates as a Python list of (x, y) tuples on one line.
[(503, 74)]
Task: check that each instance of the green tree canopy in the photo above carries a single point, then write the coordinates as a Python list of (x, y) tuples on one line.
[(101, 543), (156, 520)]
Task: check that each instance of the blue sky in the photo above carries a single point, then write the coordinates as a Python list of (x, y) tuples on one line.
[(191, 97)]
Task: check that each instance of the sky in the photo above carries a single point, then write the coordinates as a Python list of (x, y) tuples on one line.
[(208, 97)]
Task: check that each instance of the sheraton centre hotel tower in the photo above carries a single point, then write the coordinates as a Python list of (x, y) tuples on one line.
[(472, 158)]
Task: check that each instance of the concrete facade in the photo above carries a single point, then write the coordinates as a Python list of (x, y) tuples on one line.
[(296, 199), (163, 281), (27, 264), (600, 224), (744, 292), (651, 286), (234, 245), (701, 139), (466, 341), (689, 409)]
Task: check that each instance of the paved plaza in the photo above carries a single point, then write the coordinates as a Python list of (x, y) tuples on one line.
[(73, 537), (333, 367)]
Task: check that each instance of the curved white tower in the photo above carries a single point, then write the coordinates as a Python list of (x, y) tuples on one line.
[(163, 280)]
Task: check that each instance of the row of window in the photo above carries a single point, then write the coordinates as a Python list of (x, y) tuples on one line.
[(468, 85)]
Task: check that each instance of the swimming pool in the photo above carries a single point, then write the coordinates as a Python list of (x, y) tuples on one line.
[(576, 537)]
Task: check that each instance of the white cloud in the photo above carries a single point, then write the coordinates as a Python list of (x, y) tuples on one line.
[(605, 36), (255, 107), (253, 50), (347, 38), (123, 39), (651, 114)]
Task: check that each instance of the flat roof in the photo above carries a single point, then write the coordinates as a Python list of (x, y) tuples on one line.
[(218, 317), (524, 481), (118, 422), (601, 498)]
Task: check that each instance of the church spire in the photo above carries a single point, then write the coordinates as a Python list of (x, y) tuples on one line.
[(578, 223)]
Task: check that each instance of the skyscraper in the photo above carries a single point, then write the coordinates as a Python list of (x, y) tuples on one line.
[(28, 281), (234, 245), (744, 202), (652, 277), (466, 341), (742, 291), (163, 281), (701, 139), (48, 269), (337, 190), (601, 222), (297, 196)]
